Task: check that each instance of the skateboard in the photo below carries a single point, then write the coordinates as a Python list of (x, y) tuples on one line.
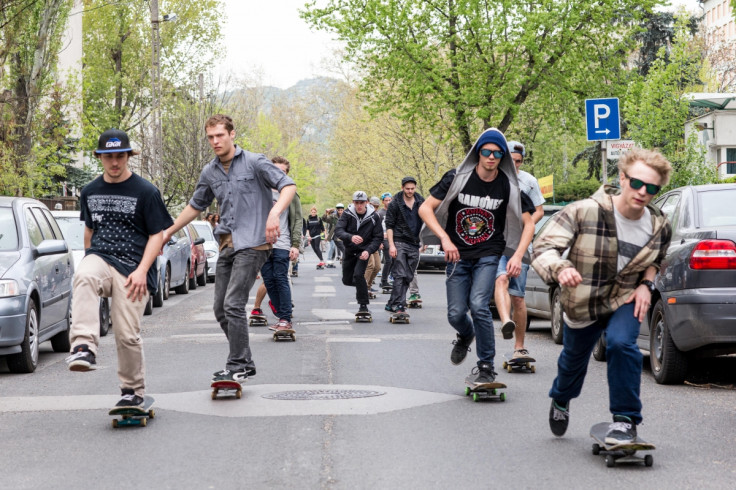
[(226, 387), (417, 303), (619, 453), (386, 289), (133, 415), (399, 317), (330, 265), (294, 273), (480, 391), (363, 317), (372, 295), (287, 334), (258, 321), (320, 267), (519, 363)]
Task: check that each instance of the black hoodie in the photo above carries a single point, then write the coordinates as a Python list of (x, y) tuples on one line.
[(369, 228)]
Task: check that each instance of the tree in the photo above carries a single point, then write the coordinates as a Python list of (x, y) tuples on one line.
[(460, 66)]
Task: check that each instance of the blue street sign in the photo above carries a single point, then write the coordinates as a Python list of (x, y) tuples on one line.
[(602, 119)]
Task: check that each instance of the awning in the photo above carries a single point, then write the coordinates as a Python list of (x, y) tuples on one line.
[(712, 100)]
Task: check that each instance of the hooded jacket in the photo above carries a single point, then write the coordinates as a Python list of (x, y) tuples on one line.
[(588, 229), (369, 228), (514, 224)]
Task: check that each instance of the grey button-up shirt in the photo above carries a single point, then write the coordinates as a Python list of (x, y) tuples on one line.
[(244, 195)]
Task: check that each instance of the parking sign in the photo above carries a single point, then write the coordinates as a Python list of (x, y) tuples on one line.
[(602, 119)]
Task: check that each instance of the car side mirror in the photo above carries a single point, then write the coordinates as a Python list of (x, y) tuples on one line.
[(51, 247), (199, 241)]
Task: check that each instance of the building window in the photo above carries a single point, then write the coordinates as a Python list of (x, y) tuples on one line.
[(731, 157)]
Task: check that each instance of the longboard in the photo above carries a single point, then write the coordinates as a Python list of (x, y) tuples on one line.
[(226, 387), (417, 303), (287, 334), (512, 363), (363, 317), (480, 391), (619, 453), (133, 415), (399, 318), (258, 321)]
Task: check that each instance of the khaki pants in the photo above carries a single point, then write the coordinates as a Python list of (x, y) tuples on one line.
[(372, 269), (95, 278)]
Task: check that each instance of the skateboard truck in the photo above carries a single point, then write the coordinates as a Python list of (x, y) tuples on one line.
[(619, 453), (133, 415)]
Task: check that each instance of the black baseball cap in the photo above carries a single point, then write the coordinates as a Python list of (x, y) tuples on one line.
[(114, 141), (406, 180)]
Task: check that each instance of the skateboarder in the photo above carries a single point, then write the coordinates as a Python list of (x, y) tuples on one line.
[(374, 261), (250, 224), (510, 291), (124, 218), (361, 232), (475, 211), (402, 228), (315, 229), (387, 261), (616, 243)]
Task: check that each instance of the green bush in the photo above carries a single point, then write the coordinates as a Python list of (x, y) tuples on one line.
[(574, 191)]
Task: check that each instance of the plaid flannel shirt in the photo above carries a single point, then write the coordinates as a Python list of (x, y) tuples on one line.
[(588, 229)]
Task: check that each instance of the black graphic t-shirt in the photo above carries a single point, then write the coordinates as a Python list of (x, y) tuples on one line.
[(122, 216), (477, 216)]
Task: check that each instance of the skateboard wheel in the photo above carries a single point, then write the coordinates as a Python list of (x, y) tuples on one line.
[(533, 369), (502, 397), (648, 460), (610, 461), (214, 394), (152, 413), (238, 394), (509, 368), (505, 364), (293, 339), (143, 422), (476, 397), (596, 449), (115, 423), (467, 390)]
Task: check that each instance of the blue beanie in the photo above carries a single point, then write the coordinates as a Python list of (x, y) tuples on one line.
[(492, 136)]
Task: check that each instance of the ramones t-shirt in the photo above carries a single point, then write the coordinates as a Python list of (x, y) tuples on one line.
[(122, 217), (477, 216)]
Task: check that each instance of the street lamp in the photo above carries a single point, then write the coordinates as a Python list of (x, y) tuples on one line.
[(157, 168)]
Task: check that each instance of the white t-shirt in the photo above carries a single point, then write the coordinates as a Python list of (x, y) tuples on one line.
[(632, 235), (529, 185)]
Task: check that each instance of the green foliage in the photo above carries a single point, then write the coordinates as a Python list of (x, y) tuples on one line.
[(574, 191)]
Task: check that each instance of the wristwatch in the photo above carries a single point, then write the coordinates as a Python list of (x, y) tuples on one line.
[(649, 284)]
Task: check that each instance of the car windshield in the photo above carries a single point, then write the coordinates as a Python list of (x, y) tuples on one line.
[(204, 231), (8, 231), (73, 230), (716, 207)]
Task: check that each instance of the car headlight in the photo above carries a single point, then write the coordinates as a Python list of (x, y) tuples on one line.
[(210, 254), (9, 287)]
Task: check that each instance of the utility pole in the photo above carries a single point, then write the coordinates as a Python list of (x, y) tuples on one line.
[(157, 170)]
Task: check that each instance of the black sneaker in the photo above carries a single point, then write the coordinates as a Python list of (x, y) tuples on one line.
[(389, 308), (621, 431), (81, 359), (250, 371), (460, 349), (227, 375), (508, 330), (559, 417), (483, 373), (130, 399), (363, 309)]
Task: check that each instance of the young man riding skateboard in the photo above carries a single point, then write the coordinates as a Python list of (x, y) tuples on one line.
[(616, 243)]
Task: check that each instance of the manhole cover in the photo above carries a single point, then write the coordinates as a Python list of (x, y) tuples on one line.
[(322, 394)]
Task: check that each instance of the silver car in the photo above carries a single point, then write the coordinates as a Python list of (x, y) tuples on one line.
[(211, 247), (36, 268), (176, 264)]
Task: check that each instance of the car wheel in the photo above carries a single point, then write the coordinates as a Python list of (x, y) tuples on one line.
[(184, 288), (556, 319), (26, 360), (158, 296), (202, 280), (193, 279), (149, 306), (599, 351), (60, 342), (669, 365), (104, 316), (167, 282)]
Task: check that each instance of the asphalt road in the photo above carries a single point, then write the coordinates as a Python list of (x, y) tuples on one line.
[(416, 430)]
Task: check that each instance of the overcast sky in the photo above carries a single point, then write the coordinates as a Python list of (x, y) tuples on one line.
[(270, 36)]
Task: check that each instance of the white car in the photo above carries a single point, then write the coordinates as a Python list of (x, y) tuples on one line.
[(211, 247)]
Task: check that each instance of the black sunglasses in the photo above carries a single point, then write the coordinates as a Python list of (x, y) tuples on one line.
[(637, 184), (496, 153)]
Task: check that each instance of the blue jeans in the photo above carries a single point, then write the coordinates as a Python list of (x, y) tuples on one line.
[(275, 273), (236, 272), (517, 285), (469, 285), (622, 354), (331, 249)]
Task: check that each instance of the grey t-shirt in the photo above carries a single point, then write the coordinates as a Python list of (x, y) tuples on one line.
[(284, 240), (632, 235)]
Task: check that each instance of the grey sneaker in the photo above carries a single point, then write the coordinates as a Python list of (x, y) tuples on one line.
[(130, 399), (559, 417), (227, 375), (81, 359), (460, 349), (483, 373), (621, 431)]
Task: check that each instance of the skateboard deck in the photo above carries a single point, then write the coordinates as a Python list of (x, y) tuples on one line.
[(372, 295), (258, 321), (480, 391), (320, 267), (330, 265), (512, 363), (619, 453), (287, 334), (399, 318), (417, 303), (226, 387), (386, 289), (363, 317), (133, 415)]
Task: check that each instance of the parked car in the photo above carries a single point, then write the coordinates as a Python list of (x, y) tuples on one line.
[(211, 247), (176, 260), (36, 268), (694, 306), (198, 271), (432, 257)]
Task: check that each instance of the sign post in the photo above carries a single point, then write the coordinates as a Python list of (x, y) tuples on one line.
[(602, 123)]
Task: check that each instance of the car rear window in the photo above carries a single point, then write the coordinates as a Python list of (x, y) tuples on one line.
[(8, 231), (73, 231), (717, 207), (205, 231)]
